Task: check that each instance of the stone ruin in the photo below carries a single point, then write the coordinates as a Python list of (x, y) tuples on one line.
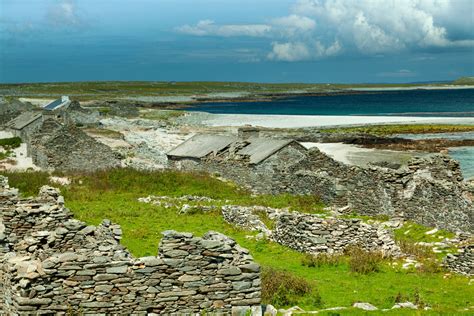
[(54, 264), (429, 191), (307, 233), (68, 148), (462, 262), (313, 233)]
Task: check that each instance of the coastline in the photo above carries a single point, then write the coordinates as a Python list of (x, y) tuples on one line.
[(301, 121)]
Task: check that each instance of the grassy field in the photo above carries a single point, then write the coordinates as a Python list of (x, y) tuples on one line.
[(118, 89), (114, 195), (387, 130)]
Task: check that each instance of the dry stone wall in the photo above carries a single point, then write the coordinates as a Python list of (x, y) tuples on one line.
[(313, 234), (430, 190), (461, 262), (54, 264)]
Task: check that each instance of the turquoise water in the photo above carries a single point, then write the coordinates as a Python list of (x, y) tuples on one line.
[(453, 103), (465, 156)]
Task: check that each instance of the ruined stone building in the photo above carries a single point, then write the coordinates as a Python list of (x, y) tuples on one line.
[(430, 190), (51, 263)]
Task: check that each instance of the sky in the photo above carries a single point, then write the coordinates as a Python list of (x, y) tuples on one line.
[(315, 41)]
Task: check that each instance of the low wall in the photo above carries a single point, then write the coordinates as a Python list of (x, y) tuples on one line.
[(56, 264), (310, 233), (462, 262)]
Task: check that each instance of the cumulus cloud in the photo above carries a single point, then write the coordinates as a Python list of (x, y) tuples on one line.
[(387, 26), (293, 24), (316, 29), (209, 28), (299, 51)]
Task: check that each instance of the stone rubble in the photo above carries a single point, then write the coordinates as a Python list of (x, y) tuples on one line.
[(54, 264), (461, 262)]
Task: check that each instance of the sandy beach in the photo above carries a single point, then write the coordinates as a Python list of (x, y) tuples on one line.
[(297, 121)]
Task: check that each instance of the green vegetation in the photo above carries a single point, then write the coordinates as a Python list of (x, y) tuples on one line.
[(8, 144), (160, 115), (119, 89), (464, 81), (114, 195), (387, 130)]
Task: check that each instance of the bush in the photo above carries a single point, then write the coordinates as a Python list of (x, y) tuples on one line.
[(415, 298), (419, 251), (363, 261), (281, 288), (10, 143), (322, 259)]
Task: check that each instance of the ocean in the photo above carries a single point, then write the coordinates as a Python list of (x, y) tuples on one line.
[(426, 103), (453, 103)]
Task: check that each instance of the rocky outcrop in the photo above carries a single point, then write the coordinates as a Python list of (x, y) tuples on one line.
[(52, 264)]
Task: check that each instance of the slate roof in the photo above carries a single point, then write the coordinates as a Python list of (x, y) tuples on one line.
[(260, 149), (56, 104), (256, 149), (200, 146), (23, 120)]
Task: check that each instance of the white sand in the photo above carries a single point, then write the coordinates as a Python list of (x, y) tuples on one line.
[(338, 151), (296, 121), (19, 160), (5, 134), (359, 156)]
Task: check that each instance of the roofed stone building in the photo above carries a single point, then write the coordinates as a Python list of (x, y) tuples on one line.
[(252, 151), (25, 124)]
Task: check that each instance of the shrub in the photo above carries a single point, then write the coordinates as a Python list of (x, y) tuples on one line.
[(363, 261), (322, 259), (281, 288), (415, 298), (411, 248), (10, 143)]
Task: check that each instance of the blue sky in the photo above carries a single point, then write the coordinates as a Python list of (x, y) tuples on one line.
[(230, 40)]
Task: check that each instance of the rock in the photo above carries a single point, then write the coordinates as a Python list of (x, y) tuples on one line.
[(408, 305), (269, 310), (365, 306)]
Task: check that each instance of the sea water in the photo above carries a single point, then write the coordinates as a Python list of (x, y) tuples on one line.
[(452, 103)]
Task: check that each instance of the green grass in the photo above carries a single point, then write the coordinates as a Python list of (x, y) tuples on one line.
[(160, 115), (114, 194), (94, 90), (386, 130)]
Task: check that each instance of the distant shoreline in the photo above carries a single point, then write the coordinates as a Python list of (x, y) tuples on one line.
[(302, 121)]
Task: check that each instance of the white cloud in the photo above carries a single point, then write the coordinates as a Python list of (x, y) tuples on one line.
[(289, 51), (64, 13), (208, 27), (299, 51), (387, 26), (293, 24), (316, 29)]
